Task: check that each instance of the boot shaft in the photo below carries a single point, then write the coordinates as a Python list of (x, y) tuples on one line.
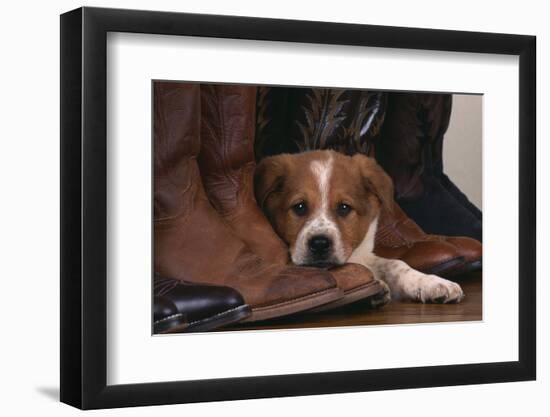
[(227, 166), (228, 114), (226, 158), (411, 139), (292, 120), (176, 143)]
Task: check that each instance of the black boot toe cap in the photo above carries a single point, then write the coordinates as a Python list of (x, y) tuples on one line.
[(199, 302), (166, 316)]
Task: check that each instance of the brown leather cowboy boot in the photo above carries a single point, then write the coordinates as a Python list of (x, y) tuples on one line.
[(193, 243), (227, 164), (398, 237), (409, 148)]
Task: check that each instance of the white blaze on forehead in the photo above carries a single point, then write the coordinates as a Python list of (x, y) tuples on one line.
[(322, 171)]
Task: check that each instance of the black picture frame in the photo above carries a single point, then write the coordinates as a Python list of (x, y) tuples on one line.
[(83, 207)]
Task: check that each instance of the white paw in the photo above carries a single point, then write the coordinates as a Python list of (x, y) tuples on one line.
[(433, 289), (382, 298)]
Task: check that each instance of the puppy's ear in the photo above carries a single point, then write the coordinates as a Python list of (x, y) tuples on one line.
[(376, 180), (269, 177)]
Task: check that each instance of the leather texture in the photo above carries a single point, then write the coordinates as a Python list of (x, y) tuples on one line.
[(227, 166), (399, 237), (166, 316), (353, 278), (470, 249), (197, 301), (410, 149), (451, 187), (359, 286), (438, 212), (163, 308), (192, 242)]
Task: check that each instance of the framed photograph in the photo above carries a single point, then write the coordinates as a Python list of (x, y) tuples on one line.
[(257, 208)]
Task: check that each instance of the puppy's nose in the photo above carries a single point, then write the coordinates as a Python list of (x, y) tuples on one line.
[(320, 245)]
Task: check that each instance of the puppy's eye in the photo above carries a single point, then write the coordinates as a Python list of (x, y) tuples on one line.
[(300, 209), (343, 209)]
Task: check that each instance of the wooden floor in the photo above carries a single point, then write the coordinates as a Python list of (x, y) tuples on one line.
[(470, 309)]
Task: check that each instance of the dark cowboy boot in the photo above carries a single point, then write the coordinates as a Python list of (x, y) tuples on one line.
[(434, 160), (291, 120), (348, 121), (166, 317), (451, 187), (227, 167), (205, 307), (414, 122), (193, 243)]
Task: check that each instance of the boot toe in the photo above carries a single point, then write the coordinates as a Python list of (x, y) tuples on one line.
[(433, 257), (293, 283), (350, 276), (358, 285), (289, 290), (199, 302), (163, 308), (470, 249), (288, 284), (166, 316)]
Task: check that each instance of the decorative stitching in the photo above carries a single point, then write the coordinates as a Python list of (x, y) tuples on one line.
[(218, 314), (173, 316)]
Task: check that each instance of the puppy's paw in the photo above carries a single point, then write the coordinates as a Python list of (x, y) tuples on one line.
[(382, 298), (433, 289)]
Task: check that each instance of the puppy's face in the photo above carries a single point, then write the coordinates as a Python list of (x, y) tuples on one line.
[(321, 203)]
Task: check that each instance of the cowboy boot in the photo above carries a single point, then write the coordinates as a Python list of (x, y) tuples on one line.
[(166, 317), (292, 120), (413, 123), (434, 161), (192, 242), (272, 114), (206, 307), (227, 165), (350, 121), (398, 237)]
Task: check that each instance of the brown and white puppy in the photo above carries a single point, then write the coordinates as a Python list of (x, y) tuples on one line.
[(325, 206)]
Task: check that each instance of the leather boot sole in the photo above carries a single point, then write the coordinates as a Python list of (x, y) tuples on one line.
[(214, 322), (445, 267), (221, 319), (351, 296), (170, 324), (296, 305), (466, 268)]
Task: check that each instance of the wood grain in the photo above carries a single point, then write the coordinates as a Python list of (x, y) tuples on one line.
[(470, 309)]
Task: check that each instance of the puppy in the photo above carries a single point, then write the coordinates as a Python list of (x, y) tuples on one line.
[(326, 205)]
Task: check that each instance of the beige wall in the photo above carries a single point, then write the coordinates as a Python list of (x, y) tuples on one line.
[(462, 146)]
